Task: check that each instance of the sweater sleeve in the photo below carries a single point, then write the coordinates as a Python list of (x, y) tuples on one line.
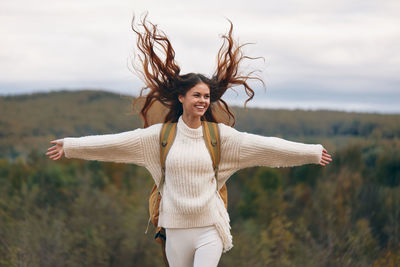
[(256, 150), (125, 147)]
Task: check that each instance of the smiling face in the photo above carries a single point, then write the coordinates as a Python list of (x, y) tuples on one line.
[(196, 101)]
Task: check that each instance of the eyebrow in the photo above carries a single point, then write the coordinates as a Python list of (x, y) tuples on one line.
[(200, 93)]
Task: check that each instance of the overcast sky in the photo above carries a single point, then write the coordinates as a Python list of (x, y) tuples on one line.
[(318, 54)]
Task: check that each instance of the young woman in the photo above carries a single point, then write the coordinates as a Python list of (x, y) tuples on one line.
[(191, 211)]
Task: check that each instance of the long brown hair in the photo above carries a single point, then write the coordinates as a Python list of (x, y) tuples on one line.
[(162, 77)]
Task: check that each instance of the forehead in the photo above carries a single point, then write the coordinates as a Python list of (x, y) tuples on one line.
[(200, 88)]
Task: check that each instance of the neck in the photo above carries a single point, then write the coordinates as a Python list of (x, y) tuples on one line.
[(191, 121)]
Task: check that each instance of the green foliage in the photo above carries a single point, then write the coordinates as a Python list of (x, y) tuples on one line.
[(388, 170), (77, 213), (58, 215), (301, 123), (269, 179), (343, 217)]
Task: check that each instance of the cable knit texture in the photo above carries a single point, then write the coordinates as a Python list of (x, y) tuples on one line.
[(190, 198)]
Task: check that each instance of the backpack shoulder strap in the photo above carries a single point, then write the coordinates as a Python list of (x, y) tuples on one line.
[(213, 143), (167, 137)]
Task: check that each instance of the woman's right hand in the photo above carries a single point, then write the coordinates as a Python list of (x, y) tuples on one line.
[(326, 158), (57, 151)]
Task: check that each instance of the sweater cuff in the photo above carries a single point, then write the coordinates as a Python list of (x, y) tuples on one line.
[(69, 144), (318, 153)]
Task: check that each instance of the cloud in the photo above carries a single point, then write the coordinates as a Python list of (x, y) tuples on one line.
[(339, 46)]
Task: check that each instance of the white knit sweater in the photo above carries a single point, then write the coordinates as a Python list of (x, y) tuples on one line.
[(189, 195)]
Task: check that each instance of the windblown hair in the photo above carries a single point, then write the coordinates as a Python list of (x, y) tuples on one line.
[(161, 75)]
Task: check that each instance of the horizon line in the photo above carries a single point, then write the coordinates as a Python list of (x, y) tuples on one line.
[(250, 105)]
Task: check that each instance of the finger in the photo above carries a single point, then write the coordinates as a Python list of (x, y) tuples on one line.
[(57, 142), (326, 162), (55, 155), (327, 158), (51, 152), (53, 147)]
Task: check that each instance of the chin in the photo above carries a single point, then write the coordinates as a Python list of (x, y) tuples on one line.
[(199, 113)]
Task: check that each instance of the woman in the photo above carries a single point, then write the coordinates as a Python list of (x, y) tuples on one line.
[(191, 211)]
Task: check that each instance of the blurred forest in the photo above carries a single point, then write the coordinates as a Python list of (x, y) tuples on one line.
[(90, 213)]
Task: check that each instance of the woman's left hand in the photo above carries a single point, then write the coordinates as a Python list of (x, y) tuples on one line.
[(57, 151), (326, 158)]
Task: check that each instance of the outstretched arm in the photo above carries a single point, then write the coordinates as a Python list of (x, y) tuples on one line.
[(241, 150), (125, 147), (256, 150)]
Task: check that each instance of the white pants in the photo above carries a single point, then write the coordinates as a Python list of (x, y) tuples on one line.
[(193, 247)]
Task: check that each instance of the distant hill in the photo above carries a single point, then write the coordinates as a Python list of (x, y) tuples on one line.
[(30, 121)]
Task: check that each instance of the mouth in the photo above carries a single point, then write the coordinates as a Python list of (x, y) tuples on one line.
[(200, 107)]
